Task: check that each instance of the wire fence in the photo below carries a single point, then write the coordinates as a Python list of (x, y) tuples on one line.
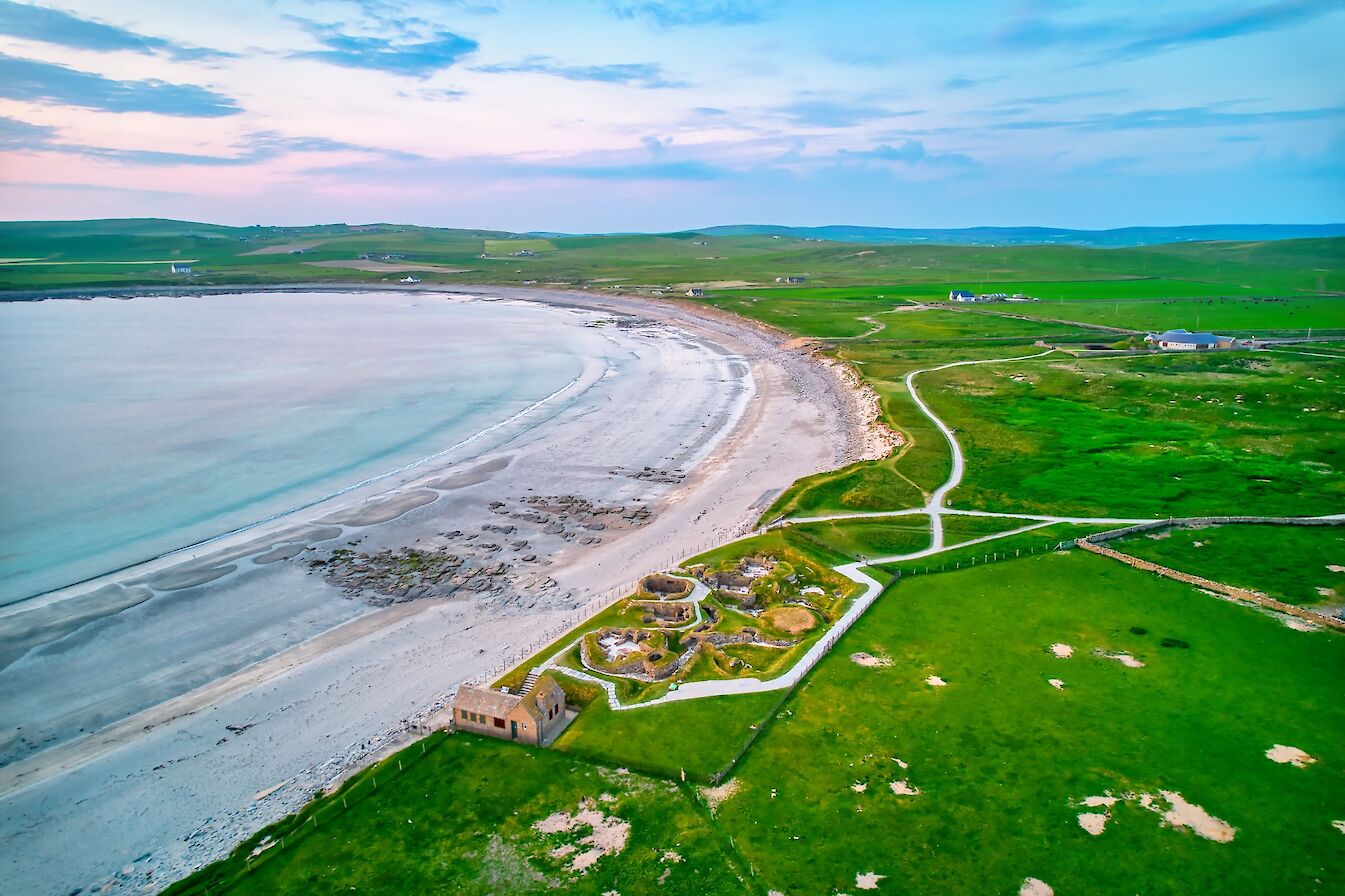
[(285, 834)]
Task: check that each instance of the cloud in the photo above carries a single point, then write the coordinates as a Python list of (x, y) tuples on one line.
[(960, 83), (1225, 24), (680, 13), (684, 170), (15, 134), (46, 82), (258, 147), (910, 152), (419, 58), (1124, 39), (640, 74), (53, 26), (832, 114), (1190, 117)]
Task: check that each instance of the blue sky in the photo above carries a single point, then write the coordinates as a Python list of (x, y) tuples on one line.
[(596, 115)]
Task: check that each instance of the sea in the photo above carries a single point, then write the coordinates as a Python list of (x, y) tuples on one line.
[(132, 428)]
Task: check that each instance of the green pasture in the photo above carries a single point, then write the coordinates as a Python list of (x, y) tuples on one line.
[(1289, 563), (667, 261), (1148, 436), (1233, 316), (462, 818), (1001, 758)]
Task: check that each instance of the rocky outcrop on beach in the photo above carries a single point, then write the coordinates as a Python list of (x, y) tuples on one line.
[(495, 561)]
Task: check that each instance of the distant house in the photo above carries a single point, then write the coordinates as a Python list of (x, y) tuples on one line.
[(695, 292), (790, 279), (179, 268), (1186, 341), (410, 278), (523, 253), (961, 295), (533, 717)]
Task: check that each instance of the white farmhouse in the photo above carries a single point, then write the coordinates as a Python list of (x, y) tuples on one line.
[(1186, 341)]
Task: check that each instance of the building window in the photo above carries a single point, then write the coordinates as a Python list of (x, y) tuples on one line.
[(499, 723)]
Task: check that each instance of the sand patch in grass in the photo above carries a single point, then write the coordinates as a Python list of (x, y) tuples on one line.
[(1124, 659), (1056, 683), (1294, 622), (1034, 887), (904, 788), (1094, 822), (607, 834), (869, 661), (1179, 813), (1339, 825), (1064, 651), (793, 620), (868, 880), (1289, 755), (714, 796), (1175, 809), (935, 681), (859, 787)]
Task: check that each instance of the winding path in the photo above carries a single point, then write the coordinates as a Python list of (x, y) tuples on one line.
[(934, 509)]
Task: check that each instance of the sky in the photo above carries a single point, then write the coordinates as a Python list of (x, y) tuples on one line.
[(657, 115)]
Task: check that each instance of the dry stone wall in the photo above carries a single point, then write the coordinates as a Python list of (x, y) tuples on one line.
[(1090, 544)]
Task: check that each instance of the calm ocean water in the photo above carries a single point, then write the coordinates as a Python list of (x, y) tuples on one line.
[(132, 428)]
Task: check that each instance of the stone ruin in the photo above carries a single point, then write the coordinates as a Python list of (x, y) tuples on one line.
[(664, 612), (665, 586)]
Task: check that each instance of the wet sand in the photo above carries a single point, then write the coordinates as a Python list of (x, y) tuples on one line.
[(691, 442)]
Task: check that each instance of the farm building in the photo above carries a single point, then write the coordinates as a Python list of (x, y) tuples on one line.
[(962, 295), (695, 291), (178, 268), (534, 717), (1186, 341), (791, 279)]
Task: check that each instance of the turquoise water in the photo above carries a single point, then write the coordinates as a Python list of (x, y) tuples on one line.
[(135, 427)]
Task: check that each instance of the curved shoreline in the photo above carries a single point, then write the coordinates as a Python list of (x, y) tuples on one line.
[(799, 417)]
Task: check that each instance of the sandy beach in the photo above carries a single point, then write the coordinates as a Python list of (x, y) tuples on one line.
[(250, 673)]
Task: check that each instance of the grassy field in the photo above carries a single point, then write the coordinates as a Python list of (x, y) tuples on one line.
[(1001, 758), (1231, 316), (1000, 762), (698, 737), (464, 818), (1302, 565), (105, 253), (1149, 435)]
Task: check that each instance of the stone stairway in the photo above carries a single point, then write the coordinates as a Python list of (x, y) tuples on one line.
[(530, 681)]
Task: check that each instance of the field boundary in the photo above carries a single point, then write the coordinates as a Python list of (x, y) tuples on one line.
[(1093, 544)]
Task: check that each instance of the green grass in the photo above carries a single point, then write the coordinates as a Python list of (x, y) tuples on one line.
[(1288, 563), (698, 737), (999, 756), (461, 820), (860, 271), (1234, 316), (870, 538), (1148, 435)]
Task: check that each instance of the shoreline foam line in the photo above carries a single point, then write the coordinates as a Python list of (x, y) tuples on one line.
[(279, 515)]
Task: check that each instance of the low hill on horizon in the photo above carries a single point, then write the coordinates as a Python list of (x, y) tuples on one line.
[(1120, 237)]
